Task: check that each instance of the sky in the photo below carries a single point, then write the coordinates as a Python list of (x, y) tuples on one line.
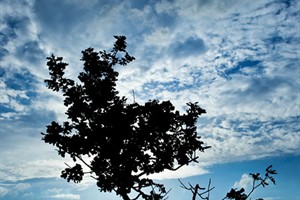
[(238, 59)]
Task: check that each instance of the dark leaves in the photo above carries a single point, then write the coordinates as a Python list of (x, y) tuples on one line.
[(73, 173), (56, 71), (120, 44), (122, 139), (237, 194), (268, 176), (269, 173), (256, 176)]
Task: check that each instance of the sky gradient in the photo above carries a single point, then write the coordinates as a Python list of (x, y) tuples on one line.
[(238, 59)]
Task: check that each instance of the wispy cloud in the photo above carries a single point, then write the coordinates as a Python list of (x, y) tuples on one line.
[(13, 189), (65, 196), (185, 171)]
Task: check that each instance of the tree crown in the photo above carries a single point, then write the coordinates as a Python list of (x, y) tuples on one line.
[(124, 141)]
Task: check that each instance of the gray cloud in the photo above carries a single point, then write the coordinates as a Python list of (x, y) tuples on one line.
[(189, 47)]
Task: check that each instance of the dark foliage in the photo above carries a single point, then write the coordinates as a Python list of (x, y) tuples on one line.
[(257, 181), (123, 141), (235, 194)]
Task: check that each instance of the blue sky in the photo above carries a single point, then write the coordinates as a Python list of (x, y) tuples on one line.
[(238, 59)]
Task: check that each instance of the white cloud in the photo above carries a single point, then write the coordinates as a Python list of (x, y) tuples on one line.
[(271, 198), (185, 171), (31, 169), (65, 196), (25, 156), (160, 37), (6, 189), (10, 98), (245, 182), (59, 193)]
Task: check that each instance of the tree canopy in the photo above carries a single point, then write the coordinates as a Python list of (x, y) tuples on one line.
[(120, 142)]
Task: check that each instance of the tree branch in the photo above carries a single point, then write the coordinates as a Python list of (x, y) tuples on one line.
[(89, 166), (191, 160)]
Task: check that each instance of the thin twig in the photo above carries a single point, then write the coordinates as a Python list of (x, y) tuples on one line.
[(89, 166), (207, 191)]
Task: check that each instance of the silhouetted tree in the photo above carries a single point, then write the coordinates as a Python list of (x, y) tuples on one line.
[(119, 142), (235, 194)]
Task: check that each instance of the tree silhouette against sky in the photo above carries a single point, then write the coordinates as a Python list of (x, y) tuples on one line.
[(120, 143)]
